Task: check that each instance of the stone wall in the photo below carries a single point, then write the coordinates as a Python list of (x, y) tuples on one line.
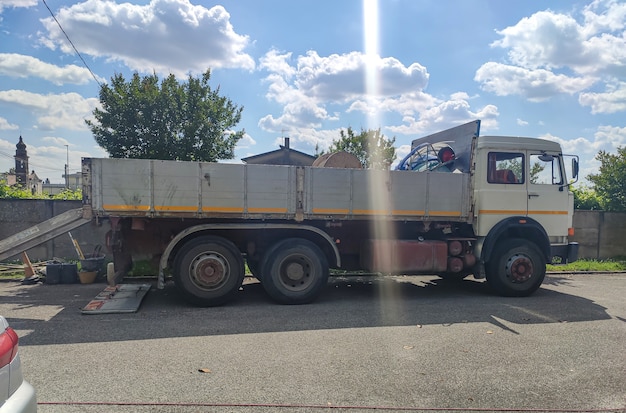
[(600, 234)]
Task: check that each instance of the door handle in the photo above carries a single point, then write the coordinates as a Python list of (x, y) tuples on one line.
[(533, 195)]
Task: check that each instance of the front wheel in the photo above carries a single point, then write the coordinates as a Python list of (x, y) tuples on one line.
[(295, 271), (209, 270), (516, 268)]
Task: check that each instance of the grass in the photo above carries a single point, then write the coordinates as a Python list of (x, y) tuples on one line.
[(582, 265), (146, 268), (143, 268)]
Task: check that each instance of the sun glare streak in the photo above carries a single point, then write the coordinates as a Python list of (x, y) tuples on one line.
[(380, 180), (371, 36)]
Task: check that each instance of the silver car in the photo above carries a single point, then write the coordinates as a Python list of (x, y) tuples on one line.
[(16, 394)]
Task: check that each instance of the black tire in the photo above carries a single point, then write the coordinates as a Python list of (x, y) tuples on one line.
[(295, 271), (208, 271), (516, 268)]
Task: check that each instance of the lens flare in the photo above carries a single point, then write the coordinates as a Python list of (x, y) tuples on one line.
[(379, 181)]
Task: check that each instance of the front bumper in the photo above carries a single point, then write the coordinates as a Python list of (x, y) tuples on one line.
[(566, 253)]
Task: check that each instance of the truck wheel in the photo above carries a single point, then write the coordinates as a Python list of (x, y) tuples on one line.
[(295, 271), (516, 269), (209, 270)]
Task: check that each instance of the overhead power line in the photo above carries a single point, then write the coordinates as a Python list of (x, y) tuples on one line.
[(72, 43), (37, 165)]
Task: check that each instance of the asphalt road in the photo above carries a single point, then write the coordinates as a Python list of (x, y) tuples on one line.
[(369, 344)]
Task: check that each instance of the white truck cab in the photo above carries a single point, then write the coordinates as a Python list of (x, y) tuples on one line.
[(523, 177)]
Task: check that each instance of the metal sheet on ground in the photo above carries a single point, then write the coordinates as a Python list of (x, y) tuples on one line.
[(121, 298)]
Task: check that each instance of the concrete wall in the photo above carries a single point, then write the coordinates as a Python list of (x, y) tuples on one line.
[(600, 234), (19, 214)]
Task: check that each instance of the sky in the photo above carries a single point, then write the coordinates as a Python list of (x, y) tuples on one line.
[(553, 69)]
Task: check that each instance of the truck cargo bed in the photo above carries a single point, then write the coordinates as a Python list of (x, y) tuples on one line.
[(156, 188)]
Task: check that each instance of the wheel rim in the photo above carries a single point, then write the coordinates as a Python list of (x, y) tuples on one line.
[(519, 268), (296, 273), (209, 271)]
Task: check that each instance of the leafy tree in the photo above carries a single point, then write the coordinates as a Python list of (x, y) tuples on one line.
[(69, 194), (17, 192), (586, 198), (535, 170), (370, 147), (610, 182), (186, 121)]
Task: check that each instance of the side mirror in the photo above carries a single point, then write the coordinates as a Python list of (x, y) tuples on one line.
[(575, 168)]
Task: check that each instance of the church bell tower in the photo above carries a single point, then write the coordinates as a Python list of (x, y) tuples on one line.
[(21, 164)]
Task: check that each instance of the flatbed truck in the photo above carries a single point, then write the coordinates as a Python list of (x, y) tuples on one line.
[(458, 204)]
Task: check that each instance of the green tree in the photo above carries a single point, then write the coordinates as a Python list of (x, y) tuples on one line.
[(370, 147), (610, 182), (535, 170), (586, 198), (186, 121), (17, 192), (69, 194)]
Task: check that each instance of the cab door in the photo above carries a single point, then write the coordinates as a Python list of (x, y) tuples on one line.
[(548, 195), (501, 191)]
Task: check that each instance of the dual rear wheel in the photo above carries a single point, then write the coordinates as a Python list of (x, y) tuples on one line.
[(209, 271), (294, 271)]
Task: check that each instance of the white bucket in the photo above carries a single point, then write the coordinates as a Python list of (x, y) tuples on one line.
[(110, 274)]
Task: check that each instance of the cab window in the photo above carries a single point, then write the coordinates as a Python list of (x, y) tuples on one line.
[(545, 170), (505, 168)]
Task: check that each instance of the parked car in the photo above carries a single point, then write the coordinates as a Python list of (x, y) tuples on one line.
[(16, 394)]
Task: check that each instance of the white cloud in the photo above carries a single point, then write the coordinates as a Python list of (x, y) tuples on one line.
[(66, 110), (611, 101), (545, 40), (5, 4), (553, 53), (21, 66), (163, 36), (442, 116), (308, 86), (611, 17), (246, 142), (522, 122), (277, 63), (406, 104), (609, 138), (5, 125), (342, 77), (534, 84), (401, 152), (56, 141), (303, 138), (605, 138)]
